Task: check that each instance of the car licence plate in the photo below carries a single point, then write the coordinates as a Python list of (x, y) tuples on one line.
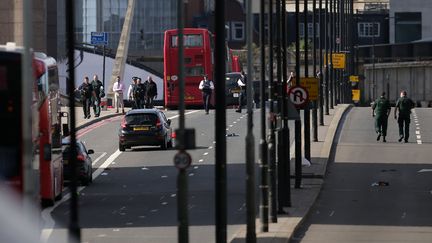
[(235, 94), (141, 128)]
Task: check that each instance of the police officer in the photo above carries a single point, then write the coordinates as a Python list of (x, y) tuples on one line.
[(241, 82), (381, 110), (138, 92), (87, 93), (98, 88), (206, 86), (404, 106)]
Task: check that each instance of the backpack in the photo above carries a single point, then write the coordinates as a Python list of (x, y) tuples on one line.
[(405, 105)]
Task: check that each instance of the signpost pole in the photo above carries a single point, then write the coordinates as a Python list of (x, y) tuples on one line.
[(297, 126)]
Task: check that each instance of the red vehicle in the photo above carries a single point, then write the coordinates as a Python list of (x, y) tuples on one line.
[(236, 66), (198, 56), (46, 153), (51, 164)]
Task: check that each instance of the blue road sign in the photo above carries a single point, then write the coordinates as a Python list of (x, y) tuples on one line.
[(99, 38)]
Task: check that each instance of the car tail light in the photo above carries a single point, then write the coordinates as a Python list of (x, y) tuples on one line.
[(123, 122), (158, 124), (81, 158)]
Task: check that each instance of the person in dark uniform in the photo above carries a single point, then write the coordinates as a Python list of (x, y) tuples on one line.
[(151, 92), (86, 91), (98, 89), (206, 86), (241, 82), (404, 106), (381, 110), (141, 91)]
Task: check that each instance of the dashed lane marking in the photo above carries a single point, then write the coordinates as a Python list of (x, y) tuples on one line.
[(98, 158)]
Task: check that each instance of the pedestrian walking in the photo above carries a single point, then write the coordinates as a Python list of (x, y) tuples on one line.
[(403, 106), (241, 82), (99, 91), (206, 86), (139, 94), (151, 92), (118, 94), (87, 93), (130, 92), (381, 110)]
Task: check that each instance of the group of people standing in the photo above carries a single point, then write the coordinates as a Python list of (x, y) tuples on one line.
[(91, 94), (381, 109), (142, 94)]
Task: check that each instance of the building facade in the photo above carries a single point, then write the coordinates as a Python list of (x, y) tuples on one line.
[(151, 19), (410, 20)]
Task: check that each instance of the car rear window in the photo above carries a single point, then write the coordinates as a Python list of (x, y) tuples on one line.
[(141, 119)]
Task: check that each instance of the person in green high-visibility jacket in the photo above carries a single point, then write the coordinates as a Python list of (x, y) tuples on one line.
[(381, 110)]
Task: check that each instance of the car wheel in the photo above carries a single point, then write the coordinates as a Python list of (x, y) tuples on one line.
[(164, 144), (122, 147), (59, 196)]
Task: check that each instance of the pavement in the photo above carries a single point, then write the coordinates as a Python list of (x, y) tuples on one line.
[(302, 199), (82, 123)]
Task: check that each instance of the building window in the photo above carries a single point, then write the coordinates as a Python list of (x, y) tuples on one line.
[(238, 31), (408, 27), (310, 30), (368, 29)]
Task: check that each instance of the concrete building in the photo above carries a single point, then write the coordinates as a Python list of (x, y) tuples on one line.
[(11, 23), (410, 20)]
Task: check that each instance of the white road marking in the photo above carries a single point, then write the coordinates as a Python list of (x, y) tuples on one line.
[(164, 203), (417, 132), (173, 195), (419, 142), (231, 125), (187, 113), (418, 136), (98, 158), (211, 147), (164, 176), (332, 213), (46, 213), (201, 160), (424, 170), (195, 167), (403, 215), (49, 222), (234, 122), (191, 174), (206, 153)]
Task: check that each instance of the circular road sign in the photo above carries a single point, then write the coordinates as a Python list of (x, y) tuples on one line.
[(298, 96), (182, 160)]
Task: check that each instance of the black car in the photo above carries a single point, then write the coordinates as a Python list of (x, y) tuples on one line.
[(232, 89), (84, 162), (142, 127)]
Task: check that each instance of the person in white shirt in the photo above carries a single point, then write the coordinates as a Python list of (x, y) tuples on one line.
[(241, 82), (206, 86), (130, 91), (118, 95)]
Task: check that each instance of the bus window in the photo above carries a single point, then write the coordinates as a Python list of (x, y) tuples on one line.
[(191, 40), (10, 114), (194, 71)]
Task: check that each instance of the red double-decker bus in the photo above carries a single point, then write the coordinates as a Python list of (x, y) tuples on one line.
[(45, 129), (51, 164), (198, 61)]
